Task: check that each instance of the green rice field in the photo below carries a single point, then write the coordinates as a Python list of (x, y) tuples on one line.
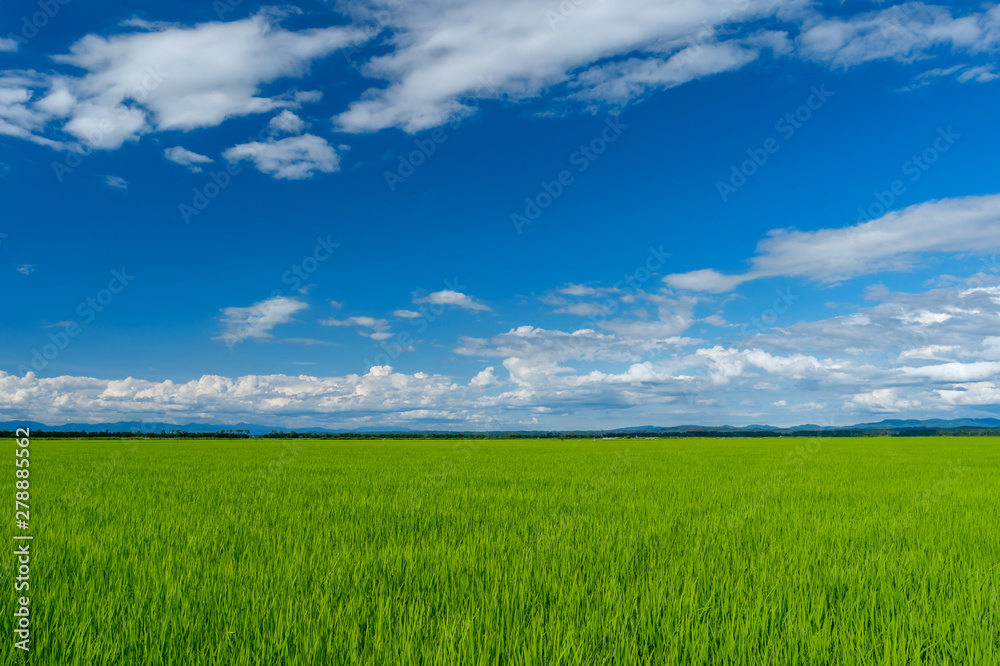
[(621, 551)]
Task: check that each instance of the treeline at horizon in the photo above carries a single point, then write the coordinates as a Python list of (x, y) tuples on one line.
[(520, 434)]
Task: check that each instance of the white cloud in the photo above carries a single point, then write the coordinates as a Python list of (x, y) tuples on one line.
[(449, 52), (928, 352), (484, 379), (19, 117), (8, 45), (537, 350), (727, 363), (582, 309), (444, 56), (905, 32), (956, 372), (960, 73), (705, 279), (25, 269), (579, 290), (452, 298), (669, 325), (892, 242), (187, 158), (379, 397), (286, 122), (945, 324), (116, 182), (980, 74), (884, 400), (621, 82), (256, 321), (291, 158), (379, 327), (170, 77), (406, 314), (977, 393), (887, 358)]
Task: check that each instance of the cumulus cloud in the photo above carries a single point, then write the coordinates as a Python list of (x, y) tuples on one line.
[(8, 45), (705, 279), (484, 379), (187, 158), (899, 355), (892, 242), (291, 158), (536, 355), (256, 321), (381, 396), (286, 122), (884, 400), (162, 77), (452, 298), (976, 394), (378, 329)]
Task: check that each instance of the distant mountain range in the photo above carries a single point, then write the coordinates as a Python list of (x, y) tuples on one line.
[(889, 424), (140, 426)]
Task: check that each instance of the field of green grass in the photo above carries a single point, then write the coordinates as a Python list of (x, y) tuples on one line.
[(692, 551)]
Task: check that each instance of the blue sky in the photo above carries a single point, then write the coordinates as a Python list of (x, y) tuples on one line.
[(530, 215)]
